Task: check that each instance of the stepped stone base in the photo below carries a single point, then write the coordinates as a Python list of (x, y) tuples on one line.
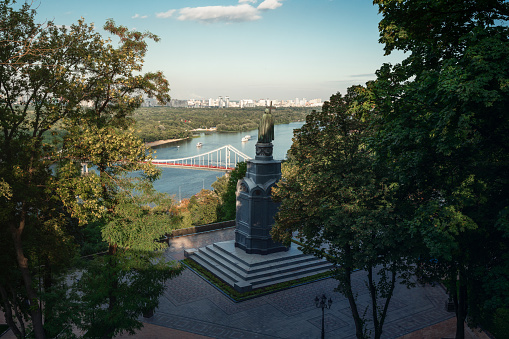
[(245, 272)]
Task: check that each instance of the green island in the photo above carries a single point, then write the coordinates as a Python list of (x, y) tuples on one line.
[(162, 123)]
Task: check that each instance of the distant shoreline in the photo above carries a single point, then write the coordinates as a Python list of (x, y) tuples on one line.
[(162, 142)]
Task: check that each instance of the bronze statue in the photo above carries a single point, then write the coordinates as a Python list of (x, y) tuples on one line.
[(266, 128)]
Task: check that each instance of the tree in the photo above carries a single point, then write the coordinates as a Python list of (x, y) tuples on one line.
[(203, 207), (443, 132), (341, 204), (228, 207), (38, 65), (49, 77), (131, 275)]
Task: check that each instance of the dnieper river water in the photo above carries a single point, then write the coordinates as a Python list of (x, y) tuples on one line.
[(184, 183)]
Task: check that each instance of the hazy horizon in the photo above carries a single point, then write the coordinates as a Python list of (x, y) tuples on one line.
[(277, 49)]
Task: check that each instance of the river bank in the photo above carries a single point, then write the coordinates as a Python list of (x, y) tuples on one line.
[(163, 142)]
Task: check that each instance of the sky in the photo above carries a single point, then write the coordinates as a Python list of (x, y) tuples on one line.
[(246, 49)]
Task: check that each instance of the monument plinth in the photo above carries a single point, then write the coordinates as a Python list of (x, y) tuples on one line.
[(255, 208), (253, 260)]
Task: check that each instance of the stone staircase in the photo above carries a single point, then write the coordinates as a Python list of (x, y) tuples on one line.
[(245, 272)]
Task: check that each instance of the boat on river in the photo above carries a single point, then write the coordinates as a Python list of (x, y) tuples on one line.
[(199, 144), (246, 138)]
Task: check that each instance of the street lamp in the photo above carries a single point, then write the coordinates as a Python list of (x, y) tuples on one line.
[(323, 303)]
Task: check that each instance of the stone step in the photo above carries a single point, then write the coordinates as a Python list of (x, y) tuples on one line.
[(268, 258), (210, 256), (291, 275), (265, 281), (248, 274), (230, 280), (289, 278), (247, 271), (262, 266)]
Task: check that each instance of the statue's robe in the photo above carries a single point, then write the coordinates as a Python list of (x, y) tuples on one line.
[(266, 129)]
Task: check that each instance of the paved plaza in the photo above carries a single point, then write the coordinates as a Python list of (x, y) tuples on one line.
[(191, 308), (192, 305)]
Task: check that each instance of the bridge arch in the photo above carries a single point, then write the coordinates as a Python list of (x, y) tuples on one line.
[(221, 159)]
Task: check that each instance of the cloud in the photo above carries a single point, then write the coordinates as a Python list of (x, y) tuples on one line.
[(166, 14), (137, 16), (242, 12), (269, 4), (211, 14), (365, 75)]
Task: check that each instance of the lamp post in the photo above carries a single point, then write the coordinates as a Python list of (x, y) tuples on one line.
[(323, 303)]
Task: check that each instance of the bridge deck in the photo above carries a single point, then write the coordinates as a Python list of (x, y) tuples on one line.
[(226, 158), (196, 167)]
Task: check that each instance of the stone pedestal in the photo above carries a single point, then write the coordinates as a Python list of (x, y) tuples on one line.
[(255, 208), (253, 260)]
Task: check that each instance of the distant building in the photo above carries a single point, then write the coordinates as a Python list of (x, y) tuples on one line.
[(225, 102)]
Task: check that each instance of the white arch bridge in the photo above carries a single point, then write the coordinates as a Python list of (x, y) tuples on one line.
[(221, 159)]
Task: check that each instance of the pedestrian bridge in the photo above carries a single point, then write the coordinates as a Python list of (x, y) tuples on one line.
[(221, 159)]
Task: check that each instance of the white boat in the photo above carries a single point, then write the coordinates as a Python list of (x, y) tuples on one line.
[(199, 144), (244, 139), (248, 137)]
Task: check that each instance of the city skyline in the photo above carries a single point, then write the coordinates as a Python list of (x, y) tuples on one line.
[(225, 102), (246, 48)]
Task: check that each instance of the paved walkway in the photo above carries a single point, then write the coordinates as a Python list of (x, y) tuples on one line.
[(192, 308), (191, 305)]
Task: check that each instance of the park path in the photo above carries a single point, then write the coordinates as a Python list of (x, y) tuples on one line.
[(193, 309)]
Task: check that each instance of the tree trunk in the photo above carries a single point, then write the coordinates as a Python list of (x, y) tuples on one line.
[(8, 313), (47, 285), (378, 323), (347, 280), (374, 305), (22, 261), (112, 298), (462, 306)]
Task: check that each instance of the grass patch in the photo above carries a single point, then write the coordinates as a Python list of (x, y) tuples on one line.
[(236, 296), (3, 328)]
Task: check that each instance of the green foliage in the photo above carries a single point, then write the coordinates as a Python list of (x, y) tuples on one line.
[(500, 327), (116, 289), (335, 197), (159, 123), (442, 130), (202, 207), (68, 86), (91, 239), (227, 210)]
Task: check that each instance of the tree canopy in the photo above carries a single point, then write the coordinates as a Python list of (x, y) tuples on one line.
[(341, 204), (442, 129), (72, 82)]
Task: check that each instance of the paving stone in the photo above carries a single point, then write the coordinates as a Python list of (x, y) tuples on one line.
[(193, 305)]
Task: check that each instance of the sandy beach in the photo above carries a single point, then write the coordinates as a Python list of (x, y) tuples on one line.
[(162, 142)]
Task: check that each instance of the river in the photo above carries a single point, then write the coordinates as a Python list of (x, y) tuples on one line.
[(184, 183)]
